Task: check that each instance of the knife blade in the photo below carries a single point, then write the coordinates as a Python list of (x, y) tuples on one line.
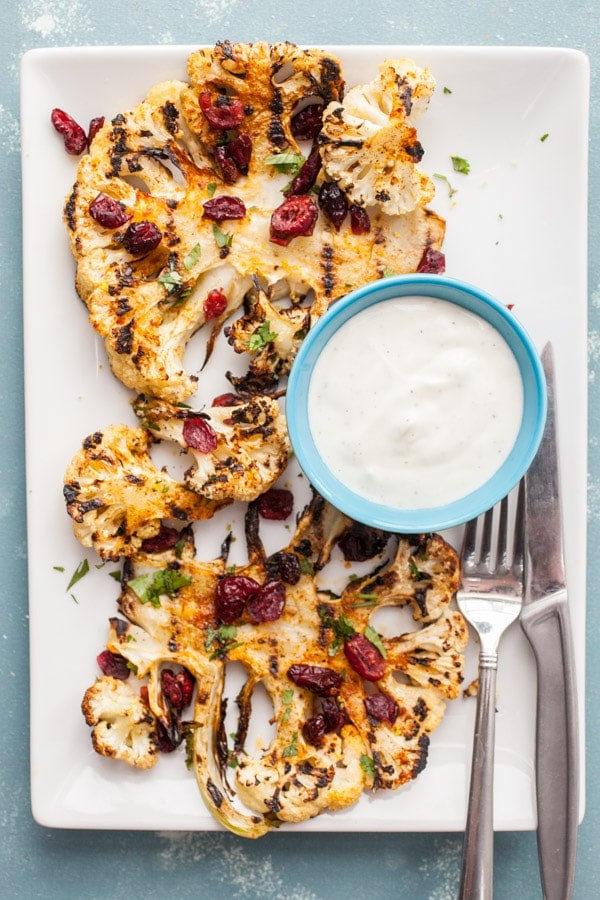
[(546, 622)]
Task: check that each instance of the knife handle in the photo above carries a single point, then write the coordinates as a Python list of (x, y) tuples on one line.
[(548, 629)]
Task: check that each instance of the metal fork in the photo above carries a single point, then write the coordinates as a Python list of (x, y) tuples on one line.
[(490, 599)]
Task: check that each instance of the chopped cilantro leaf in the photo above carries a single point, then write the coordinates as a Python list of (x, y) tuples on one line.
[(222, 238), (451, 190), (171, 279), (82, 569), (288, 163), (291, 749), (367, 765), (460, 165), (192, 257), (149, 588), (447, 90), (261, 337), (372, 636), (544, 137)]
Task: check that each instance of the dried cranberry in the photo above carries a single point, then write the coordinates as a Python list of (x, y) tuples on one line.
[(227, 400), (214, 304), (165, 539), (306, 177), (199, 434), (94, 127), (113, 664), (318, 679), (359, 542), (226, 164), (285, 566), (364, 657), (108, 212), (232, 594), (333, 715), (359, 219), (177, 688), (307, 123), (240, 151), (276, 504), (334, 203), (296, 216), (314, 730), (222, 112), (219, 209), (432, 261), (142, 237), (73, 134), (382, 708), (267, 605)]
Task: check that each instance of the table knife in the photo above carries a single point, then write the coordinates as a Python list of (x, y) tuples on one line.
[(546, 623)]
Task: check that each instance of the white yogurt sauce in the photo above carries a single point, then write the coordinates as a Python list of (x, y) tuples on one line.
[(415, 402)]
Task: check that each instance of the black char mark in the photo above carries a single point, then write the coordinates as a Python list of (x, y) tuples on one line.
[(276, 130), (215, 793), (70, 208), (171, 117), (327, 265), (124, 338)]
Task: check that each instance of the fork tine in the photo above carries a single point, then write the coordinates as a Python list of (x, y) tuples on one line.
[(519, 534), (486, 538), (469, 544), (502, 549)]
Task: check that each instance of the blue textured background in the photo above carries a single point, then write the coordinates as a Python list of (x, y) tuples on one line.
[(36, 862)]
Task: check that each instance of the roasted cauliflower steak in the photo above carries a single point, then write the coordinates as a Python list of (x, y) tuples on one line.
[(298, 657), (203, 165), (117, 498)]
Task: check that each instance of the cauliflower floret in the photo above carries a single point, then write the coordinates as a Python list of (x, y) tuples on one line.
[(123, 726), (369, 145), (271, 335), (117, 497), (238, 451)]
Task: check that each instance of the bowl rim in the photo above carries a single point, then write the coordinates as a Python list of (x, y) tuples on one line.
[(418, 519)]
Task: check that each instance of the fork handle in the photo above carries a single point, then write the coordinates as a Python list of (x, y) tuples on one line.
[(476, 882)]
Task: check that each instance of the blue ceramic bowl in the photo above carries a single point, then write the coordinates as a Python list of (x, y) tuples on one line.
[(433, 518)]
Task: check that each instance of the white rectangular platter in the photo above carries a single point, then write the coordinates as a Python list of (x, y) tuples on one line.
[(516, 226)]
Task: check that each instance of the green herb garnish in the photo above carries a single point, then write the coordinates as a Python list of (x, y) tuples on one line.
[(170, 279), (150, 588), (222, 238), (373, 637), (451, 190), (291, 749), (224, 636), (261, 337), (192, 257), (211, 188), (460, 165), (82, 569), (306, 567), (286, 699), (288, 163), (367, 765), (544, 137)]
